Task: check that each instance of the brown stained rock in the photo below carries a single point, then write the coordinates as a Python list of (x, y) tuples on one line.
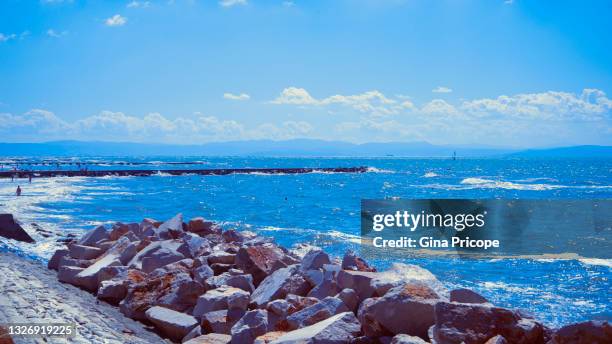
[(260, 261), (407, 309), (353, 262), (118, 230), (174, 290), (200, 226)]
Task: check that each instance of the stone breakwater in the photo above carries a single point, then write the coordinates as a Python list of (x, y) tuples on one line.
[(196, 283)]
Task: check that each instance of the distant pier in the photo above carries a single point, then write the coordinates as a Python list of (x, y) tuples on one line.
[(174, 172)]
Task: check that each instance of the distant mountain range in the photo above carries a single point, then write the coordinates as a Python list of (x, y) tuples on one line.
[(298, 147)]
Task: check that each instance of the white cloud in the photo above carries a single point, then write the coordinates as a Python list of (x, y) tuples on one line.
[(138, 4), (442, 89), (116, 20), (372, 102), (296, 96), (241, 96), (590, 104), (230, 3), (56, 34), (439, 107), (288, 3), (7, 37), (153, 127)]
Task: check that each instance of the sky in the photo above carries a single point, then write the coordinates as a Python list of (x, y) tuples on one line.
[(489, 73)]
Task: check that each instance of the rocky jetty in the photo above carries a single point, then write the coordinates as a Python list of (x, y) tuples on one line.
[(195, 283)]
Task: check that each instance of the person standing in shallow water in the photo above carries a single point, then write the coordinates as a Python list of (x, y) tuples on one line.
[(18, 192)]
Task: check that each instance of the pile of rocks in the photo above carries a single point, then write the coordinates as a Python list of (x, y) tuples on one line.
[(198, 284)]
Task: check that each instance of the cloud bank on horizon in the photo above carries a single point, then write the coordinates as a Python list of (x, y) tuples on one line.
[(360, 71)]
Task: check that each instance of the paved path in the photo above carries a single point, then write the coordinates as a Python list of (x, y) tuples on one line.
[(30, 293)]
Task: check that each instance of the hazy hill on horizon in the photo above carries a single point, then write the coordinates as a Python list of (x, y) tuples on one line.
[(296, 147)]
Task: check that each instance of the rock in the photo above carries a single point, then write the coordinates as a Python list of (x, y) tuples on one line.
[(221, 298), (84, 252), (55, 259), (169, 249), (242, 281), (94, 235), (202, 273), (324, 289), (476, 323), (352, 262), (218, 322), (112, 291), (118, 230), (211, 338), (406, 339), (405, 309), (279, 307), (221, 257), (322, 310), (194, 246), (466, 296), (340, 328), (183, 265), (252, 325), (350, 298), (330, 271), (498, 340), (232, 235), (130, 251), (67, 261), (269, 337), (66, 274), (202, 227), (314, 259), (159, 258), (588, 332), (175, 290), (314, 277), (219, 268), (171, 229), (196, 332), (10, 229), (280, 283), (88, 278), (400, 273), (171, 323), (260, 261), (359, 281)]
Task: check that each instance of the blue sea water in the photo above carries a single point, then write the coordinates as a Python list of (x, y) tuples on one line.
[(323, 209)]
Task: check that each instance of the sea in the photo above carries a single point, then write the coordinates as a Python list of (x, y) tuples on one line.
[(323, 209)]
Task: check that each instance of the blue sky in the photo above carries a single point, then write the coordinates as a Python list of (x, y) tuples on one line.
[(507, 73)]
